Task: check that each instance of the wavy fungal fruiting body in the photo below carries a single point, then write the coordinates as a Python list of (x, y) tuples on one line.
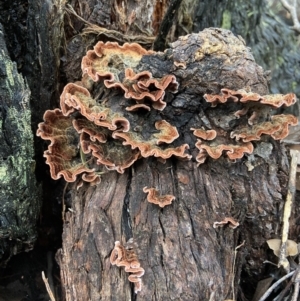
[(89, 133), (96, 131), (124, 256), (155, 198), (256, 108)]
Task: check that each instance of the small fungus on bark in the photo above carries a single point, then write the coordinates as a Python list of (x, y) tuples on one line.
[(227, 221), (138, 107), (160, 200), (205, 135), (124, 256)]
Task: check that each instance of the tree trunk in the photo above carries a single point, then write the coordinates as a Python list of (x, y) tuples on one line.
[(184, 256), (19, 195)]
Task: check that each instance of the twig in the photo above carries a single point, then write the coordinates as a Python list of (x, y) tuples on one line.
[(160, 41), (112, 34), (50, 270), (48, 287), (296, 280), (267, 261), (292, 8), (283, 262), (233, 268), (283, 292), (271, 288)]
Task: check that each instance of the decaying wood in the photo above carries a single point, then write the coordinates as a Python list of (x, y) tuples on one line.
[(184, 256)]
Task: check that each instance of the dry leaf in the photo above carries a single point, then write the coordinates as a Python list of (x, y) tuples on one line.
[(275, 244)]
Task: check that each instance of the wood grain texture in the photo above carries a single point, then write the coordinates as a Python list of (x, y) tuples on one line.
[(184, 257)]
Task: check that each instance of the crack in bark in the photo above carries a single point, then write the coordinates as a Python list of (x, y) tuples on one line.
[(126, 218)]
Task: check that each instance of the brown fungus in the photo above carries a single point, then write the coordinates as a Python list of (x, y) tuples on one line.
[(109, 152), (256, 111), (274, 100), (227, 221), (108, 61), (205, 135), (277, 128), (150, 147), (75, 97), (160, 200), (63, 154), (137, 107), (215, 150), (142, 85), (125, 256)]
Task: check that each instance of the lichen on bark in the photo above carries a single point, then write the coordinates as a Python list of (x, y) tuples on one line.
[(19, 195)]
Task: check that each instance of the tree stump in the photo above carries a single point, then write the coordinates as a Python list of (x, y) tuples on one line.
[(184, 254)]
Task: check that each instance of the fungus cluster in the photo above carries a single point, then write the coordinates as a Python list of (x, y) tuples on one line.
[(257, 121), (92, 131), (124, 256), (120, 112)]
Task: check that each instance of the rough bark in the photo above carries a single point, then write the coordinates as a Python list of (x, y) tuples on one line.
[(184, 257), (30, 44), (19, 195)]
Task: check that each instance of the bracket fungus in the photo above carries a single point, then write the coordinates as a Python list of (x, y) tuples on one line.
[(160, 200), (124, 256), (108, 59), (90, 132), (129, 105), (227, 221), (257, 122)]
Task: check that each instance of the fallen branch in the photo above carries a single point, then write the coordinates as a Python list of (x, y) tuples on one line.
[(48, 287), (269, 291), (283, 262), (292, 9)]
